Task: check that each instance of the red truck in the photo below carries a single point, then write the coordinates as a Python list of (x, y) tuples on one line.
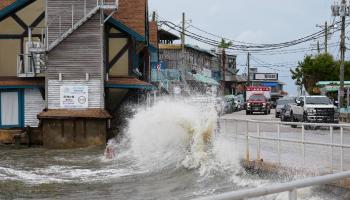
[(258, 100)]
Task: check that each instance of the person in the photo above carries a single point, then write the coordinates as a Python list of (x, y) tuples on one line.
[(109, 153)]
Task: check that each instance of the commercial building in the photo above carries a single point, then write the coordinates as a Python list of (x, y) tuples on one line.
[(67, 65)]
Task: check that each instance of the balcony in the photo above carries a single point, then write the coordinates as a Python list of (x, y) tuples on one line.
[(29, 65)]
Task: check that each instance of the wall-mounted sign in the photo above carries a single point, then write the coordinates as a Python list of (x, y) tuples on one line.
[(74, 96), (266, 76)]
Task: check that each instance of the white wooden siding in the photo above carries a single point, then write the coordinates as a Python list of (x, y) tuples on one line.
[(33, 105), (95, 98)]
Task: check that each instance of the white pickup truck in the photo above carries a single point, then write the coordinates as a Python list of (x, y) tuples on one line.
[(314, 109)]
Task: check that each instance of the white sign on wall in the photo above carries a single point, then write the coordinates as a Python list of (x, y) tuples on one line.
[(74, 96)]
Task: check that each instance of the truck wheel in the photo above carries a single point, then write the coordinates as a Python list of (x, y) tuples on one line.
[(247, 113)]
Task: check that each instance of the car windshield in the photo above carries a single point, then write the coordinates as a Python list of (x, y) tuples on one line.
[(285, 101), (257, 98), (318, 100)]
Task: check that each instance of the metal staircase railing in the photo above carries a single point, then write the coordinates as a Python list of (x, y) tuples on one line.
[(46, 46)]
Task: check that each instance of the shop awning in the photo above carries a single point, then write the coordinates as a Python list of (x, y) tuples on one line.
[(204, 79), (128, 83)]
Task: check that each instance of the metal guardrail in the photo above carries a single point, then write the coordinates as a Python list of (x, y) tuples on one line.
[(291, 188), (303, 142)]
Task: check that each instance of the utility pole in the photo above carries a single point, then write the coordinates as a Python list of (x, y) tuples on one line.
[(183, 73), (326, 37), (342, 58), (223, 62), (248, 63), (318, 47), (341, 10), (183, 34), (325, 27)]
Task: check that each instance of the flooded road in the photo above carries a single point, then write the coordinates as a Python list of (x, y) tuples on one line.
[(171, 151)]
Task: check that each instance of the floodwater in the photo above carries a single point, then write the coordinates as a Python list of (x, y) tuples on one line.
[(173, 150)]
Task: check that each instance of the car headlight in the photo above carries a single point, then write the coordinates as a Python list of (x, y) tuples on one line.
[(264, 104)]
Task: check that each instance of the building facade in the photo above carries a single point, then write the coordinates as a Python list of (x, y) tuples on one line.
[(66, 65)]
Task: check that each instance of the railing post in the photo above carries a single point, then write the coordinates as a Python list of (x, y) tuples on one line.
[(60, 24), (72, 15), (342, 149), (259, 141), (303, 142), (30, 36), (236, 127), (279, 143), (84, 8), (293, 195), (247, 142), (224, 126), (331, 134)]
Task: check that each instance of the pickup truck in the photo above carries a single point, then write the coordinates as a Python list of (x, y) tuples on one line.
[(314, 109), (258, 103)]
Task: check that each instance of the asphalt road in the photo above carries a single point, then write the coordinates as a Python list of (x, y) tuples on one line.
[(294, 155)]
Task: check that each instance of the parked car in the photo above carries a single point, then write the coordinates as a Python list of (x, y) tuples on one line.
[(280, 103), (239, 101), (231, 104), (258, 103), (285, 114)]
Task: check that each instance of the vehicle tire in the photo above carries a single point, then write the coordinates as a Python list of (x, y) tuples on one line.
[(247, 113), (266, 112)]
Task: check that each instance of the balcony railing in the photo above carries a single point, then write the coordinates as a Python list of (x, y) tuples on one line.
[(25, 68)]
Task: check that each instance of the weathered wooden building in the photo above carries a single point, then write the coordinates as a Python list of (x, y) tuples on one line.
[(70, 63), (201, 66)]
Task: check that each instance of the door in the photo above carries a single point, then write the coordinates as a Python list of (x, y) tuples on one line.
[(10, 109)]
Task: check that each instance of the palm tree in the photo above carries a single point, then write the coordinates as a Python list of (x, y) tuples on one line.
[(223, 46)]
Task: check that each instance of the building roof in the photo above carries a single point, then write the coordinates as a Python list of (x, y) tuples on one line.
[(69, 114), (326, 83), (127, 83), (178, 47), (166, 35), (15, 82)]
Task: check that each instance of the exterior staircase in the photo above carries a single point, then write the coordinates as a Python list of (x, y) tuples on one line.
[(39, 51)]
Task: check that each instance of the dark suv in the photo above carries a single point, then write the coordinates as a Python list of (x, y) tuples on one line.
[(258, 103)]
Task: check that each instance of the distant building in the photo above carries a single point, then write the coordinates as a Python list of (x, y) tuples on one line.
[(269, 80), (200, 67)]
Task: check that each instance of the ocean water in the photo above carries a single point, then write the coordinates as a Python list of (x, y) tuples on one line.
[(172, 150)]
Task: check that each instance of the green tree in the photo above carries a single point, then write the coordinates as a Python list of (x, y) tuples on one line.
[(316, 68)]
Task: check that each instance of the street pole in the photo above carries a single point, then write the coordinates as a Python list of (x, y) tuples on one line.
[(183, 73), (248, 63), (342, 60), (326, 37), (318, 47), (223, 62)]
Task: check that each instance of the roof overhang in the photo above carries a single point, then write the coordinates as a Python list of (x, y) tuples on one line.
[(74, 114), (14, 7), (119, 25), (21, 83), (128, 83)]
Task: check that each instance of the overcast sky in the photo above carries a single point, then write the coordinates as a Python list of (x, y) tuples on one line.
[(258, 21)]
